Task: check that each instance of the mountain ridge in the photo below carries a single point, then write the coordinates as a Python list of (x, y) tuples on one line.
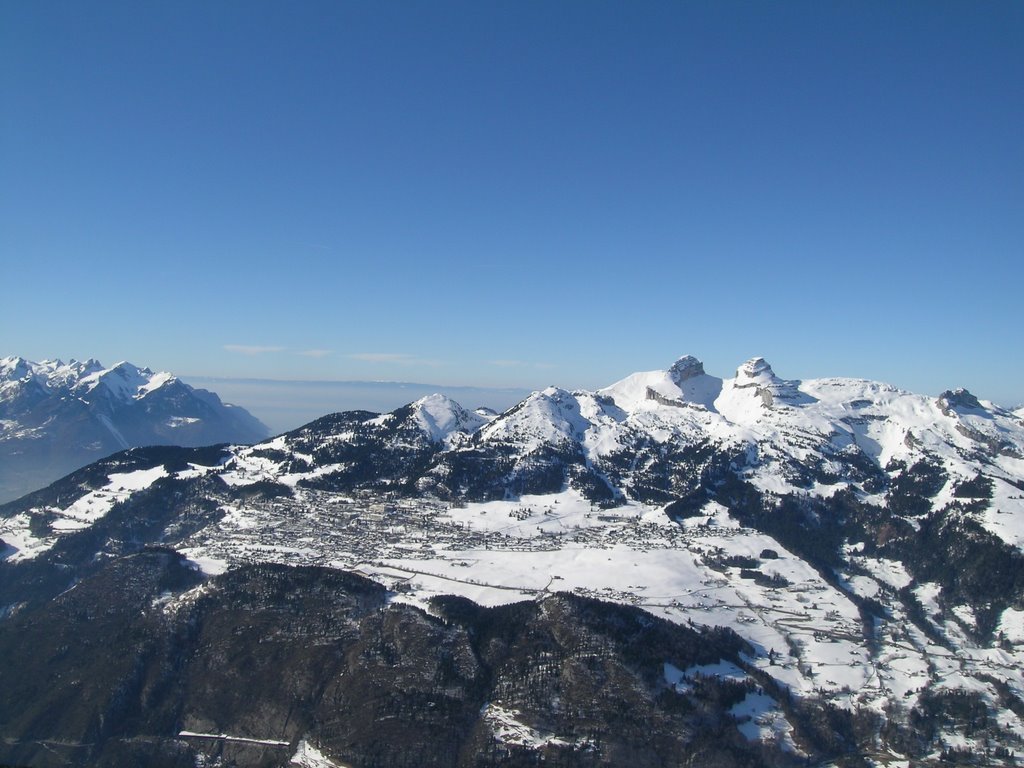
[(56, 417), (864, 542)]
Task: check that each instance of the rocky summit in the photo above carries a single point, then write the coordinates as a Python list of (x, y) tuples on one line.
[(676, 569)]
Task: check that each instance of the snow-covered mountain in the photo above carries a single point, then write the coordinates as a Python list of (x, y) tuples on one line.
[(56, 417), (863, 543)]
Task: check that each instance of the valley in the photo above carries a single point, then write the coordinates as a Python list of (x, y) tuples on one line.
[(862, 550)]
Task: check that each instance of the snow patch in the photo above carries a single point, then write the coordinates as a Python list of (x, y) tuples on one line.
[(234, 739), (22, 543), (760, 718), (211, 566), (181, 421), (308, 756), (1011, 625), (80, 514), (680, 679), (509, 729)]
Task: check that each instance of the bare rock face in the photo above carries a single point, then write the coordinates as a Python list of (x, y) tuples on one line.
[(686, 368), (958, 399)]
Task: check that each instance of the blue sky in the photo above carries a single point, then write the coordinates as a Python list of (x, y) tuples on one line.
[(516, 193)]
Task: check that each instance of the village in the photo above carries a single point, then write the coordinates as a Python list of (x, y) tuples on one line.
[(708, 571)]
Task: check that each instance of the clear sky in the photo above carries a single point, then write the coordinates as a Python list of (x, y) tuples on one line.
[(516, 193)]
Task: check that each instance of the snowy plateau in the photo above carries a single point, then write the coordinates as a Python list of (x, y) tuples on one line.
[(56, 417), (677, 569)]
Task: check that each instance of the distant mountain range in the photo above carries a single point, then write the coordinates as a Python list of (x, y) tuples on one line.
[(675, 569), (56, 417), (285, 404)]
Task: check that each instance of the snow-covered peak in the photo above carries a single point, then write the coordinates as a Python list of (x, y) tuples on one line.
[(550, 416), (695, 386), (48, 374), (439, 416), (124, 381), (755, 371), (756, 386), (14, 368), (57, 416), (75, 370), (684, 383)]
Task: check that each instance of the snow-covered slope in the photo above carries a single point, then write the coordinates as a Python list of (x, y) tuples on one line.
[(440, 417), (549, 417), (684, 384), (56, 417)]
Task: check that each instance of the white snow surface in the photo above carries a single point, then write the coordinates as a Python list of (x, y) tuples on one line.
[(680, 679), (308, 756), (47, 373), (684, 383), (181, 421), (80, 513), (439, 416), (126, 381), (549, 417), (508, 729), (1011, 624), (760, 718)]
